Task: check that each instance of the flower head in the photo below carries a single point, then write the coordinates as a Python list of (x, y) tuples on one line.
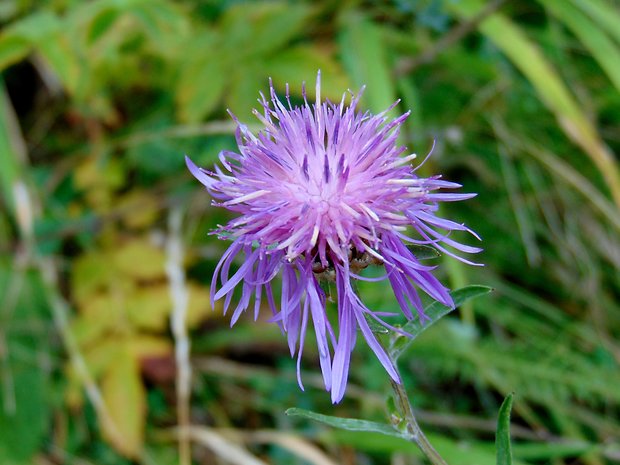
[(321, 193)]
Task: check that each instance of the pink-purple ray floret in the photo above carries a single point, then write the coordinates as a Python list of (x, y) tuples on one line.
[(322, 192)]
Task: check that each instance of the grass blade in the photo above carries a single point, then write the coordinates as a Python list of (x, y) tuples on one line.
[(602, 48), (552, 91), (502, 437), (603, 13)]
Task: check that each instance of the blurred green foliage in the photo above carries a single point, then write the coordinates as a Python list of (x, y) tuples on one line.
[(99, 100)]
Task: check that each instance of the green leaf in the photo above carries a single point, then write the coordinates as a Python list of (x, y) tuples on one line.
[(363, 53), (10, 143), (201, 86), (58, 52), (35, 28), (25, 384), (349, 424), (602, 48), (202, 80), (552, 91), (536, 451), (605, 14), (12, 49), (434, 312), (261, 28), (455, 452), (245, 88), (100, 24), (502, 436), (163, 24), (125, 398), (423, 252)]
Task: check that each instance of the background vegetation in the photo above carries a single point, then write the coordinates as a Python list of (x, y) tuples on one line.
[(102, 228)]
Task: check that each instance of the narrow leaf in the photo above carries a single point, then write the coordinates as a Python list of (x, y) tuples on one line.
[(502, 436), (551, 89), (603, 13), (11, 148), (434, 312), (602, 48), (125, 397), (349, 424)]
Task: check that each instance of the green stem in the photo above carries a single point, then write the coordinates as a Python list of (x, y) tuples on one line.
[(413, 429)]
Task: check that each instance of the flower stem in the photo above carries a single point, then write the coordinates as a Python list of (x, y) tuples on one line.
[(413, 429)]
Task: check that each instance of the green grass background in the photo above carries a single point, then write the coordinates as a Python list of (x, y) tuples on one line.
[(99, 100)]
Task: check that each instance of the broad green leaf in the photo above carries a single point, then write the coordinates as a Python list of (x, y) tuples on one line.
[(552, 91), (26, 390), (100, 24), (124, 396), (502, 435), (201, 86), (349, 424), (12, 49), (35, 28), (244, 90), (24, 413), (163, 24), (261, 28), (602, 48), (434, 312), (363, 53), (63, 60)]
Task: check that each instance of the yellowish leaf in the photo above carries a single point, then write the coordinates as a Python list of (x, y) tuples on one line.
[(145, 346), (91, 326), (103, 355), (94, 171), (199, 306), (124, 396), (149, 307), (140, 209), (141, 260), (89, 275)]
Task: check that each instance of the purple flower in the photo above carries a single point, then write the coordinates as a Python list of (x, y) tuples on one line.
[(321, 193)]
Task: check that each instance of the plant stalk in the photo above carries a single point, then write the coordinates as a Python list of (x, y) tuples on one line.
[(413, 429)]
